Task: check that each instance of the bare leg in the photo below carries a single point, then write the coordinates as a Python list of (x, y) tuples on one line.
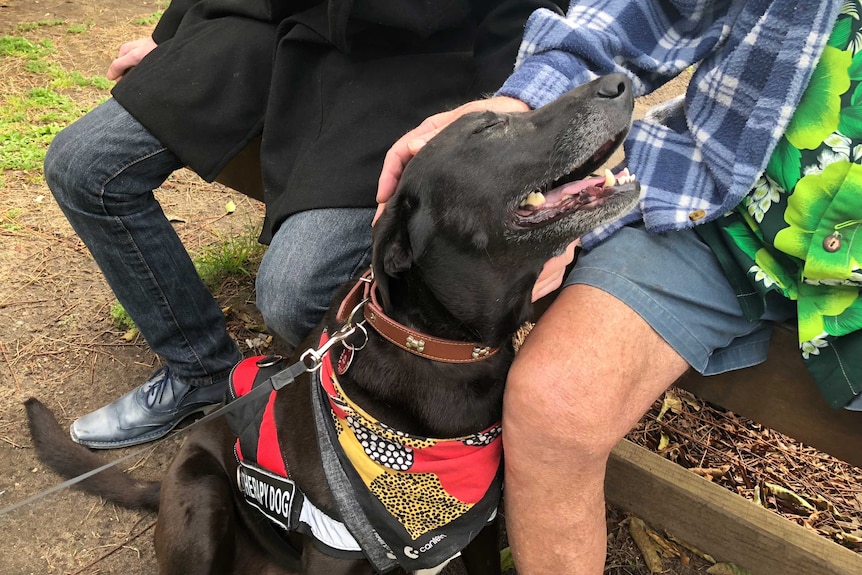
[(588, 372)]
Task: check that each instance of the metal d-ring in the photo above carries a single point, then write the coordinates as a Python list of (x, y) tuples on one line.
[(353, 312), (352, 347)]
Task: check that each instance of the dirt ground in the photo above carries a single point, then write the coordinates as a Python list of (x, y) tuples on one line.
[(57, 340)]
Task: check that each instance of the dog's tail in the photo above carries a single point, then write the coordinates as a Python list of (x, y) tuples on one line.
[(56, 449)]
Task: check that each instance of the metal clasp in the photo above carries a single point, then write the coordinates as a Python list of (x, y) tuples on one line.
[(313, 358)]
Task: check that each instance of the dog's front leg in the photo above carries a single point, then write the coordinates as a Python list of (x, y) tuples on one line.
[(482, 555), (195, 529), (315, 562)]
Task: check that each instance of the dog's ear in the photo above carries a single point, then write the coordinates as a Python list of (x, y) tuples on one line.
[(391, 251)]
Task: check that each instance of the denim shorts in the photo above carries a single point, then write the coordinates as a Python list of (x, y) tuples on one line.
[(675, 283)]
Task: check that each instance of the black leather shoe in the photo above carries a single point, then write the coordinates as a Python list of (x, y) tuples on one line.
[(146, 413)]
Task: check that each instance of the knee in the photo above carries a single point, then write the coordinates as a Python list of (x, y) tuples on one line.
[(66, 167), (551, 408), (288, 305)]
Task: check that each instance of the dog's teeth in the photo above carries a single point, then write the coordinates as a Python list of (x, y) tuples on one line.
[(626, 173), (610, 180), (534, 199)]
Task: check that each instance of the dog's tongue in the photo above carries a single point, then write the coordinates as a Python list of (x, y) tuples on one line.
[(596, 184), (572, 188)]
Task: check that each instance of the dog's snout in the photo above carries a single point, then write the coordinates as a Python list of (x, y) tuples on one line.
[(612, 86)]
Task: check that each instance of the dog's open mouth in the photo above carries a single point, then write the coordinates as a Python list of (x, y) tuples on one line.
[(566, 196)]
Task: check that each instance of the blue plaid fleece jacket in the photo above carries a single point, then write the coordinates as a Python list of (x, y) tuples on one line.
[(696, 156)]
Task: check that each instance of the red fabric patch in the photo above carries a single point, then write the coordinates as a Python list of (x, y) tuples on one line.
[(244, 374), (449, 460), (268, 450)]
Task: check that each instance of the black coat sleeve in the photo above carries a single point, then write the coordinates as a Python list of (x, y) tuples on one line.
[(501, 28), (170, 20), (264, 10)]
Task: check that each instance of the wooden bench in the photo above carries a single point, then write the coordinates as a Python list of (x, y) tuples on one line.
[(778, 394)]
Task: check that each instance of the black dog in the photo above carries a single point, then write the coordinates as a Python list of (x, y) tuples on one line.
[(477, 213)]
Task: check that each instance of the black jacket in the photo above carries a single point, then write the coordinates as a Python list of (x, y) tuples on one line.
[(330, 84)]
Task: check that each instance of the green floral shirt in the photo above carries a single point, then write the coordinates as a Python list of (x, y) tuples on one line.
[(797, 234)]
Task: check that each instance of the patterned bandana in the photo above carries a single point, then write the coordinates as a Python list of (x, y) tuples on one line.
[(426, 498)]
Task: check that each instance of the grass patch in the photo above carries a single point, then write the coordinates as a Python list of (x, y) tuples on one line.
[(29, 119), (79, 28), (120, 318), (153, 18), (10, 219), (150, 20), (62, 79), (18, 47), (30, 26), (236, 255), (28, 123)]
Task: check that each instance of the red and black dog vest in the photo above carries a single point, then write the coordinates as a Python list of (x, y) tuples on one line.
[(425, 498)]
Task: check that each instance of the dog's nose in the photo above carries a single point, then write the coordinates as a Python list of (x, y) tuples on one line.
[(612, 86)]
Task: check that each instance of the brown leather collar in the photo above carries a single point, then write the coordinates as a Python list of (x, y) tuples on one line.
[(364, 295)]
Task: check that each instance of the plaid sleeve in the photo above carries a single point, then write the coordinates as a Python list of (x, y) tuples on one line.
[(649, 41), (697, 158)]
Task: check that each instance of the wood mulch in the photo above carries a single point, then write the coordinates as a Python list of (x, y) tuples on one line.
[(795, 481)]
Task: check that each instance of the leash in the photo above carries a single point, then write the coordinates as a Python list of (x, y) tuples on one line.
[(310, 361)]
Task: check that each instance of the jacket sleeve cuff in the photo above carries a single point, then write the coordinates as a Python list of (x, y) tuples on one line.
[(543, 78)]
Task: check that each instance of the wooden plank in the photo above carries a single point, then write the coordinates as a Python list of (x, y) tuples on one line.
[(717, 521), (781, 395)]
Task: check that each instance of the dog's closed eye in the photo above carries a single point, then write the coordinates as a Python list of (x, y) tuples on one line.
[(489, 125)]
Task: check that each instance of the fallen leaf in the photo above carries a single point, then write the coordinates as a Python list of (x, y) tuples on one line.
[(727, 569), (691, 402), (668, 550), (789, 496), (758, 496), (711, 472), (506, 561), (663, 442), (131, 334), (825, 505), (648, 549), (705, 556), (853, 540), (684, 559), (230, 207), (671, 402)]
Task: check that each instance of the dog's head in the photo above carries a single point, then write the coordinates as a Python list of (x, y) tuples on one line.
[(492, 197)]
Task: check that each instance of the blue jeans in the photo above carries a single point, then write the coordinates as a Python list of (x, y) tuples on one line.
[(102, 170)]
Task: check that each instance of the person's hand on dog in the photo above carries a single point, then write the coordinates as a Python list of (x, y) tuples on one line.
[(410, 143), (130, 55)]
